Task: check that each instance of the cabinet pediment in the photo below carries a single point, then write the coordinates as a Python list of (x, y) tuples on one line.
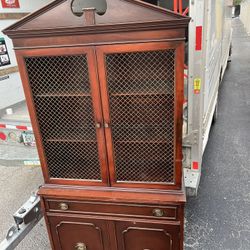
[(58, 17)]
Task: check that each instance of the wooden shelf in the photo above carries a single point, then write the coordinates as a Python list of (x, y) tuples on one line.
[(143, 141), (63, 95), (139, 94), (70, 140)]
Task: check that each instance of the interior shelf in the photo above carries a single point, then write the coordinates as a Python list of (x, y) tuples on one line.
[(70, 140), (143, 141), (140, 94), (63, 95)]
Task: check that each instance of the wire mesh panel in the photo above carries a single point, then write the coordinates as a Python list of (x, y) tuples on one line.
[(142, 99), (61, 92)]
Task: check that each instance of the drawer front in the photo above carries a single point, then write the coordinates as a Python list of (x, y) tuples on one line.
[(116, 209)]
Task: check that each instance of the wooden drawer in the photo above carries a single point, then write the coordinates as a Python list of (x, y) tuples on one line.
[(116, 209)]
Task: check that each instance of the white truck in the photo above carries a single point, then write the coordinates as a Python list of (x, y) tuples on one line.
[(209, 48), (208, 51)]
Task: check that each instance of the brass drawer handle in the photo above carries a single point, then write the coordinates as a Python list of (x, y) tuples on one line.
[(157, 212), (63, 206), (80, 246)]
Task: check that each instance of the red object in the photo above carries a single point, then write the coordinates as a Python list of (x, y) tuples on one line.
[(175, 6), (22, 127), (10, 3), (180, 6), (185, 11), (198, 45), (2, 126), (3, 136), (195, 165)]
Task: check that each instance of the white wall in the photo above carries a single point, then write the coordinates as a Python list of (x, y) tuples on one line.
[(11, 91)]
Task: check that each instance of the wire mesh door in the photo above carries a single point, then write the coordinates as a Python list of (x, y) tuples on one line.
[(139, 88), (68, 109)]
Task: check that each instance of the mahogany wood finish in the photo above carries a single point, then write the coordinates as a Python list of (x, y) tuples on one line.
[(137, 235), (105, 95)]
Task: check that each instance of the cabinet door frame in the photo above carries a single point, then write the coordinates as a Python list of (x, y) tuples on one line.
[(101, 52), (96, 104), (101, 226), (171, 230)]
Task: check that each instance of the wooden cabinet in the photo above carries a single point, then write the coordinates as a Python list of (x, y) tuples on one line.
[(75, 224), (112, 126), (92, 234), (104, 88)]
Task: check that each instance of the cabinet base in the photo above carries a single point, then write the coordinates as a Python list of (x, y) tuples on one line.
[(102, 224)]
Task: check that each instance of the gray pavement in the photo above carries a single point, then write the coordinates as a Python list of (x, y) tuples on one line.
[(16, 152), (16, 185), (219, 217)]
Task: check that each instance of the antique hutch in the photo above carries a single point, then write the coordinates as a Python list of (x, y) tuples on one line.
[(104, 88)]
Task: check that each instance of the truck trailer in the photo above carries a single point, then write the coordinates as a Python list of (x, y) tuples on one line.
[(208, 52)]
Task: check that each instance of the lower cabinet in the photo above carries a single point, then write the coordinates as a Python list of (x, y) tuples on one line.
[(70, 232)]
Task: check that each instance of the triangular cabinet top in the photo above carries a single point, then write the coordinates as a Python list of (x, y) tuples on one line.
[(121, 15)]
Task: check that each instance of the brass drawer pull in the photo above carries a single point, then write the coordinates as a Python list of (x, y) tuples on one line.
[(63, 206), (80, 246), (157, 212)]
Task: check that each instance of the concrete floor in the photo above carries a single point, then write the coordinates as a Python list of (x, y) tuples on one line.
[(219, 217)]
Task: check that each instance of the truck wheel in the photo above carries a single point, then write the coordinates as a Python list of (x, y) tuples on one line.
[(230, 53), (215, 116)]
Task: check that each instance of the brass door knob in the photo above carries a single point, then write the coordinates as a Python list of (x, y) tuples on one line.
[(63, 206), (80, 246), (106, 125), (157, 212), (98, 125)]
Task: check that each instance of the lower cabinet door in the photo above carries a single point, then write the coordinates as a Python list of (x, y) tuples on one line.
[(146, 236), (69, 233)]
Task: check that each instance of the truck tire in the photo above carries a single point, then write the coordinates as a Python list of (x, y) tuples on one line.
[(215, 115), (230, 54)]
